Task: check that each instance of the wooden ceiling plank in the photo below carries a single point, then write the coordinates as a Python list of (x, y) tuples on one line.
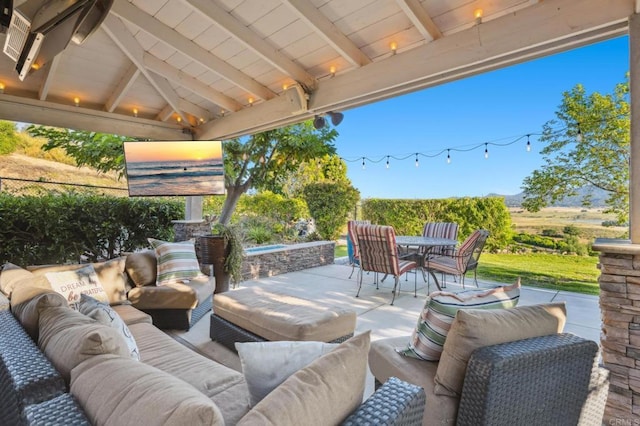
[(253, 42), (123, 87), (420, 19), (49, 77), (130, 47), (329, 32), (170, 37), (53, 114), (190, 83)]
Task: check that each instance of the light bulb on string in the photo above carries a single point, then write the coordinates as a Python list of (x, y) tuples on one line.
[(417, 162), (486, 150), (387, 161), (244, 156), (528, 144), (448, 157), (363, 166)]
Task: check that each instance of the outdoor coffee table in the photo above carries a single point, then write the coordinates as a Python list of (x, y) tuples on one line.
[(254, 314)]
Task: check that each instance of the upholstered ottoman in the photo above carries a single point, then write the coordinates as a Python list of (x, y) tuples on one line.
[(253, 314)]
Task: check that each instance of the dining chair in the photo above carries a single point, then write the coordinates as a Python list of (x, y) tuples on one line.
[(352, 244), (440, 230), (379, 253), (462, 260)]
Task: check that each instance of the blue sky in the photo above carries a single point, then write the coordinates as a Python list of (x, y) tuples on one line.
[(498, 106)]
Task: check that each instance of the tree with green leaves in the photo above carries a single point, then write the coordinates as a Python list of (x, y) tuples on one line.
[(257, 162), (8, 137), (329, 204), (588, 144), (329, 168)]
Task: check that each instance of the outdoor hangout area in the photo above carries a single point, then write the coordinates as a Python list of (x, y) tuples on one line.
[(188, 275)]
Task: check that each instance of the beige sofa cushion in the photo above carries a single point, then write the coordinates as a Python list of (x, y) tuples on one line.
[(473, 329), (110, 273), (27, 302), (276, 316), (131, 315), (68, 337), (224, 386), (141, 267), (385, 363), (172, 296), (328, 389), (13, 276), (120, 392)]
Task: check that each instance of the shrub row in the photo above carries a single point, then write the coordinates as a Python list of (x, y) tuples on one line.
[(70, 227), (409, 216)]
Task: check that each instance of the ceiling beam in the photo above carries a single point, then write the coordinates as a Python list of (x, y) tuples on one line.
[(117, 31), (123, 87), (252, 41), (329, 32), (549, 27), (50, 74), (192, 84), (21, 109), (420, 19), (170, 37)]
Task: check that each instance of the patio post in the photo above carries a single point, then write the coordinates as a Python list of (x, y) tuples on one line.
[(634, 154)]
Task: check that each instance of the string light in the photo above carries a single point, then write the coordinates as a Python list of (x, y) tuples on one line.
[(417, 162), (332, 70), (486, 150), (245, 157), (135, 112), (262, 160), (2, 87), (528, 144), (448, 157), (394, 47), (579, 135), (363, 166), (387, 161)]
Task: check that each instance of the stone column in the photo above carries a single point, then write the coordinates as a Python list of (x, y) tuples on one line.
[(634, 154), (187, 229), (620, 338)]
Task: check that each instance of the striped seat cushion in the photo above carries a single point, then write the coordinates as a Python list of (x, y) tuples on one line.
[(439, 311), (177, 262)]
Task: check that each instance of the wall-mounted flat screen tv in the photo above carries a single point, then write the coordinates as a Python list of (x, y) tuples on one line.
[(163, 168)]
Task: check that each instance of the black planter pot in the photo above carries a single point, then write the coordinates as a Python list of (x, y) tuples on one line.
[(214, 250)]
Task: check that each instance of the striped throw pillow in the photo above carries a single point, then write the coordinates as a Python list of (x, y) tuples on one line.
[(177, 262), (439, 311)]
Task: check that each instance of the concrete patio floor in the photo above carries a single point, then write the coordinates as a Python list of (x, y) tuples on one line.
[(330, 284)]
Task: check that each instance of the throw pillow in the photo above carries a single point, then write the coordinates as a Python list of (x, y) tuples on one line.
[(72, 284), (267, 364), (120, 391), (67, 338), (27, 302), (439, 311), (473, 329), (104, 314), (327, 390), (142, 268), (177, 262)]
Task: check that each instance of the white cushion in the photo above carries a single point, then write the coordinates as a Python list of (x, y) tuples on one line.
[(72, 284), (267, 364)]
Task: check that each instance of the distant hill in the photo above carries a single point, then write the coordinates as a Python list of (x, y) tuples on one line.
[(598, 197)]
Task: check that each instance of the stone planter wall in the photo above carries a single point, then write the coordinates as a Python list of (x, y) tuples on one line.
[(291, 258), (620, 339)]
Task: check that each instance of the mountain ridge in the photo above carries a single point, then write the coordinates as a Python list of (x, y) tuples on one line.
[(598, 198)]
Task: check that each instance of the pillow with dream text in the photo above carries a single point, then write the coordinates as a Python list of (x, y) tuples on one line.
[(440, 309), (72, 284), (177, 262)]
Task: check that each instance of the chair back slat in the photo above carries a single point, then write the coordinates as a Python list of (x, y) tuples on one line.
[(440, 230), (468, 248), (352, 242)]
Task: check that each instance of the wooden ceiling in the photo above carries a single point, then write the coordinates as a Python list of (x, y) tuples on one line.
[(215, 69)]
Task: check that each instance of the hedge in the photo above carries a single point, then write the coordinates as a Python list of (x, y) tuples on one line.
[(71, 227), (409, 216)]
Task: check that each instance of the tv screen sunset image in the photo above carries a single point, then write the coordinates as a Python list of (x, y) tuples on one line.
[(174, 168)]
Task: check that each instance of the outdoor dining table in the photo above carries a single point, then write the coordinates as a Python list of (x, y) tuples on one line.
[(428, 243)]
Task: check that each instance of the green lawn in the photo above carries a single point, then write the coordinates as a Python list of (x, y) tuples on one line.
[(557, 272)]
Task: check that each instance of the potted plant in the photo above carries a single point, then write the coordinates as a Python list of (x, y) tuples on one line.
[(223, 250)]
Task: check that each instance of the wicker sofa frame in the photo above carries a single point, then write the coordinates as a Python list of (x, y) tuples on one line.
[(32, 392)]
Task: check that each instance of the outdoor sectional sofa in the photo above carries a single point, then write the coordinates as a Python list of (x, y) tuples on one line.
[(54, 371)]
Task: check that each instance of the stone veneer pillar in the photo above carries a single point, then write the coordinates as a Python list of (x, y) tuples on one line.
[(620, 339), (186, 229)]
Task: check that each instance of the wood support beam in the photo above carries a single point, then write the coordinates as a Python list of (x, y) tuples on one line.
[(420, 19)]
